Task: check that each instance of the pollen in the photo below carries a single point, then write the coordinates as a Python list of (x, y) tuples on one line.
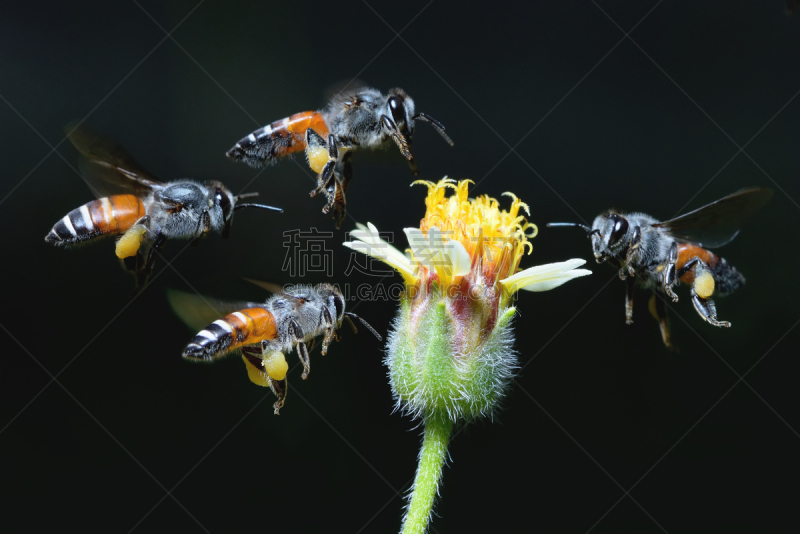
[(498, 238), (317, 158), (704, 284), (128, 245), (275, 365)]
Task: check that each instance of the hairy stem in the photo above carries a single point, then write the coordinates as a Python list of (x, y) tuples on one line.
[(429, 473)]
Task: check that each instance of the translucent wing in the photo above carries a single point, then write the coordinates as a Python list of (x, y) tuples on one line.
[(107, 163), (343, 90), (198, 311), (718, 223), (269, 286)]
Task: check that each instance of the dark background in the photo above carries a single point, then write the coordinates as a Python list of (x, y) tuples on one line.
[(652, 123)]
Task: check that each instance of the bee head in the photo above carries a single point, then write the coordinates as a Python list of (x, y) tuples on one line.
[(220, 207), (609, 235), (400, 107)]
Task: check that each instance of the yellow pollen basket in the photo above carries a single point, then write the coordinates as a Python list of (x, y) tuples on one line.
[(704, 284), (479, 224), (317, 158), (128, 245), (273, 365)]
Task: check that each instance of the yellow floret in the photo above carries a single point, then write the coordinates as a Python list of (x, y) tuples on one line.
[(128, 245)]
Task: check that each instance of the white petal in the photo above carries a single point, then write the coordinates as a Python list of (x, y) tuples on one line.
[(459, 258), (368, 241), (545, 277)]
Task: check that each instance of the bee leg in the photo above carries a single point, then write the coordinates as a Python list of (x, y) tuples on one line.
[(336, 200), (658, 309), (302, 349), (334, 188), (279, 388), (142, 263), (702, 289), (629, 285), (636, 240), (302, 352), (670, 277), (323, 156), (346, 171), (329, 331), (686, 268), (151, 256), (708, 310), (318, 152)]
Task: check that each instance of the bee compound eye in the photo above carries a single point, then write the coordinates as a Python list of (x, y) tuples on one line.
[(224, 202), (619, 230), (398, 109)]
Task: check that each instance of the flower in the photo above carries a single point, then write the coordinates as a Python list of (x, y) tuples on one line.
[(451, 349)]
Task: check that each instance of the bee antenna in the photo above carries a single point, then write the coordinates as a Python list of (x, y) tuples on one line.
[(262, 206), (579, 225), (589, 231), (348, 316), (438, 126)]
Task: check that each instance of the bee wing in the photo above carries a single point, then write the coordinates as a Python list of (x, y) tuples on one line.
[(107, 163), (343, 91), (718, 223), (198, 311), (269, 286)]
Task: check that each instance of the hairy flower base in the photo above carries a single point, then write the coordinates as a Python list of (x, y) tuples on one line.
[(432, 370)]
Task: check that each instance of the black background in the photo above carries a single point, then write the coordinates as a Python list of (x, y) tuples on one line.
[(652, 123)]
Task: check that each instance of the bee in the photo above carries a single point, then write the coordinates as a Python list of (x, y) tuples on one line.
[(149, 213), (290, 319), (367, 119), (659, 255)]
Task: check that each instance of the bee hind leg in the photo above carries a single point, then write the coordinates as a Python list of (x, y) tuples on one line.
[(708, 310), (702, 289), (323, 157), (279, 388)]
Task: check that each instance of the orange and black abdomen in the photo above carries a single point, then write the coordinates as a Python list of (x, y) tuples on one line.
[(726, 277), (278, 139), (244, 327), (104, 216)]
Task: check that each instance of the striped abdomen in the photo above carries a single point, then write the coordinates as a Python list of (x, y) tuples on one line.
[(244, 327), (726, 276), (280, 138), (104, 216)]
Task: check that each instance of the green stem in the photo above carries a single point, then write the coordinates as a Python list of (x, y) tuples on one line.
[(429, 472)]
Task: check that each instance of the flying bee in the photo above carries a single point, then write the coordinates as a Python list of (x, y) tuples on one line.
[(365, 119), (659, 255), (264, 333), (149, 213)]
